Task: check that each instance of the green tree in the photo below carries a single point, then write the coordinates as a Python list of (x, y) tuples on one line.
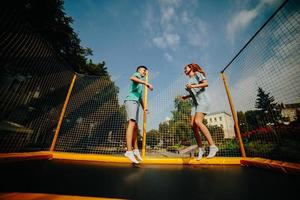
[(216, 132), (48, 18), (180, 124), (264, 101), (182, 109), (242, 121), (297, 116), (270, 110), (178, 129), (95, 69), (152, 138), (253, 119)]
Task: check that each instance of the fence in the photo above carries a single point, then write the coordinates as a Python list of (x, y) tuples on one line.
[(34, 83), (264, 80)]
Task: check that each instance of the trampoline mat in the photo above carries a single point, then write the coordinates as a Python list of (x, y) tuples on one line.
[(127, 181)]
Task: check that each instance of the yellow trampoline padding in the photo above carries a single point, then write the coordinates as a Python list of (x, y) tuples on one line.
[(123, 159), (286, 167)]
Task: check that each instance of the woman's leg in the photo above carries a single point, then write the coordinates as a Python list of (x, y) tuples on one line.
[(198, 138), (199, 121), (196, 131), (212, 147)]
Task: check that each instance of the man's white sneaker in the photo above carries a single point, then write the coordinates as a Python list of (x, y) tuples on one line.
[(130, 155), (201, 153), (136, 152), (212, 151)]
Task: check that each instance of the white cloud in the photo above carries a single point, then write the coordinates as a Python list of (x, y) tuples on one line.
[(185, 18), (172, 39), (167, 29), (167, 119), (167, 40), (159, 42), (154, 75), (243, 18), (167, 14), (115, 77), (149, 22), (217, 95), (275, 68), (168, 57), (162, 101), (197, 35), (246, 87), (240, 21), (170, 2), (269, 2)]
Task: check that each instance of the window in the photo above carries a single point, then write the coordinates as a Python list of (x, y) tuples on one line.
[(220, 118)]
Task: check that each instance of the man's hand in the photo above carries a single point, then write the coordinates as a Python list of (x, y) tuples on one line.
[(149, 86), (146, 110)]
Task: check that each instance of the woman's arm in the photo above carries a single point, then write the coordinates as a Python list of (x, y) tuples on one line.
[(186, 97), (202, 84)]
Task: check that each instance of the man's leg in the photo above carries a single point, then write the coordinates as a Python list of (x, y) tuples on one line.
[(129, 137)]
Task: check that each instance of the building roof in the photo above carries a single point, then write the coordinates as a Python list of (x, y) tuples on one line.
[(292, 105), (219, 112)]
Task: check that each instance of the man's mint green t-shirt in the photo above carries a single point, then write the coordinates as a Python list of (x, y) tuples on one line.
[(135, 89)]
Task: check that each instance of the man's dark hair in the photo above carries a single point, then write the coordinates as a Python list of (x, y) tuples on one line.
[(141, 66)]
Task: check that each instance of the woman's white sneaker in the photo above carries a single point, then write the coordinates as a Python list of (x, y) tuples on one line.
[(212, 151), (130, 155), (136, 152), (201, 153)]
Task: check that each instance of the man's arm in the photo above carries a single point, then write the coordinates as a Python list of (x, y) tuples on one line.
[(137, 80), (143, 105)]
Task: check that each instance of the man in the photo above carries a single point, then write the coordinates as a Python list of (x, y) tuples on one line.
[(132, 103)]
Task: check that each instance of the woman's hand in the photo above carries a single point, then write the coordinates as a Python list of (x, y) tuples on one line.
[(184, 97), (189, 86)]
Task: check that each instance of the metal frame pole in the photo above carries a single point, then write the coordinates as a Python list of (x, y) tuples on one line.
[(235, 119)]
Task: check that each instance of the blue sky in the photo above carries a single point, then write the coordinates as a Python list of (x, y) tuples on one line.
[(165, 35)]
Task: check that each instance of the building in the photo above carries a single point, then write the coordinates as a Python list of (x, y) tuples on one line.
[(289, 111), (223, 120)]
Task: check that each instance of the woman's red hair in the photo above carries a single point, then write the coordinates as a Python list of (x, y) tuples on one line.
[(196, 68)]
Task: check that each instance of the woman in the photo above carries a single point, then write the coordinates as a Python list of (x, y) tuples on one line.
[(196, 88)]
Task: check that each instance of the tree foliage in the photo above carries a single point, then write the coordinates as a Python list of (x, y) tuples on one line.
[(177, 130), (264, 101), (48, 18), (270, 110), (249, 120), (152, 138)]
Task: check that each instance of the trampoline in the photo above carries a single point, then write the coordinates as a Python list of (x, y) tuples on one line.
[(126, 181), (63, 133)]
